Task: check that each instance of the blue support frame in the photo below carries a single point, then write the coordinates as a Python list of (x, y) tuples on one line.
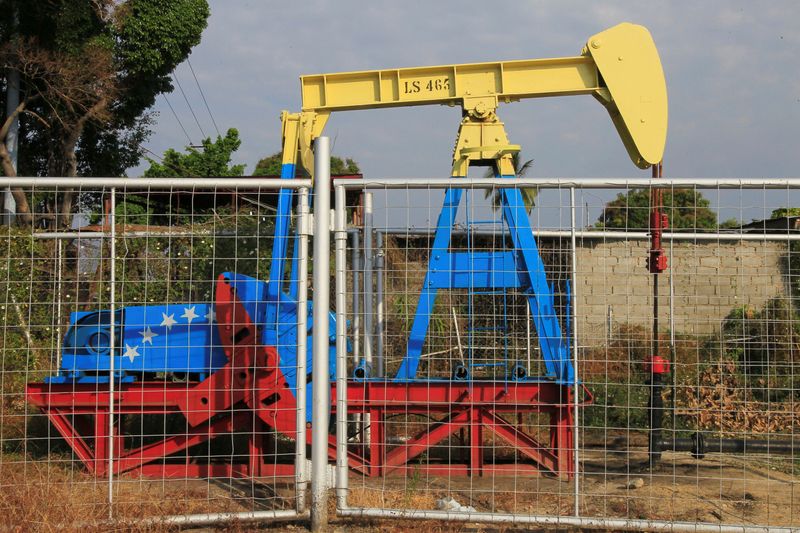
[(521, 268), (280, 244)]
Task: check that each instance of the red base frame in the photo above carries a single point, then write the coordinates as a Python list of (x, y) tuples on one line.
[(467, 410)]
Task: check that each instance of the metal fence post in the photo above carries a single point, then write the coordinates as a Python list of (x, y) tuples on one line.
[(356, 269), (368, 324), (368, 282), (341, 348), (112, 346), (576, 387), (320, 337), (379, 258), (301, 477)]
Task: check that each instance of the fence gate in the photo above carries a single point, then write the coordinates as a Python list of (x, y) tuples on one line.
[(535, 390), (150, 359)]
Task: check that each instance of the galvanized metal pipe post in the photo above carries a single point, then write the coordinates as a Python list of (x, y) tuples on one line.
[(366, 434), (368, 282), (300, 471), (340, 238), (379, 265), (356, 266), (321, 380), (574, 320), (112, 304), (355, 259), (59, 280)]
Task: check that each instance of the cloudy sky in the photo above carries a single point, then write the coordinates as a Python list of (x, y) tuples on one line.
[(732, 69)]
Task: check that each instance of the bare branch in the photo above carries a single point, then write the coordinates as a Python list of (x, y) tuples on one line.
[(37, 117), (104, 9), (10, 119)]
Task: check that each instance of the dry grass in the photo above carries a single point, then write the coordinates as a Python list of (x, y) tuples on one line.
[(721, 402), (392, 498), (50, 497)]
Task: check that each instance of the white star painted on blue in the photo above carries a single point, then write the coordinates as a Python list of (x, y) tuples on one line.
[(189, 313), (211, 316), (148, 335), (169, 320), (131, 352)]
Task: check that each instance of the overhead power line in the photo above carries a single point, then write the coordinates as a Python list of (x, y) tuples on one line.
[(191, 109), (188, 138), (203, 96)]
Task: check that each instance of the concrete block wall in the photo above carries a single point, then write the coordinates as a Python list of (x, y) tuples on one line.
[(709, 279)]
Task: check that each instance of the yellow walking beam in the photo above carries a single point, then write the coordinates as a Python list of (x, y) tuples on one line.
[(619, 66)]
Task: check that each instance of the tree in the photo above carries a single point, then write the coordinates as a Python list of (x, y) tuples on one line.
[(785, 212), (685, 209), (520, 169), (271, 166), (89, 73), (213, 160)]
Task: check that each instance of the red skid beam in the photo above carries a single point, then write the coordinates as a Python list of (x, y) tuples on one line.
[(520, 441), (73, 438), (476, 405), (435, 434), (172, 445)]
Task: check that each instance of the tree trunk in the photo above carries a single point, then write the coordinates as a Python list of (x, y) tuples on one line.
[(69, 170), (23, 208), (70, 167)]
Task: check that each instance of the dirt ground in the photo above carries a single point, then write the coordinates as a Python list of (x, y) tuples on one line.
[(716, 489)]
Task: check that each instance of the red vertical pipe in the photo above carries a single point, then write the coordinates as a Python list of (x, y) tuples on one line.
[(657, 263)]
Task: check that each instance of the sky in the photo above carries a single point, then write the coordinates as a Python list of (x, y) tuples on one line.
[(732, 71)]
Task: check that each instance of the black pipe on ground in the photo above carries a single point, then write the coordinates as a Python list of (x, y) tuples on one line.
[(699, 445), (656, 409)]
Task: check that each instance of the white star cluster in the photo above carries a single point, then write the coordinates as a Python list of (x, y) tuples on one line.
[(168, 321)]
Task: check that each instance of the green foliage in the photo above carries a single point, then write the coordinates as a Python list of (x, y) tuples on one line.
[(271, 166), (731, 223), (346, 166), (791, 261), (184, 269), (27, 310), (174, 269), (214, 159), (763, 341), (155, 36), (617, 405), (142, 40), (685, 208), (785, 212)]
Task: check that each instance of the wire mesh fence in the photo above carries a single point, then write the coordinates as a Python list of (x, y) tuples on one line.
[(146, 356), (540, 390), (494, 361)]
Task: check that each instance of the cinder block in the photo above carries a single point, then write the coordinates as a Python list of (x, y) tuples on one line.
[(711, 261), (706, 289), (702, 271)]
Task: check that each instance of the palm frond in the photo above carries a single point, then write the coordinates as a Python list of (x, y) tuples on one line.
[(528, 193)]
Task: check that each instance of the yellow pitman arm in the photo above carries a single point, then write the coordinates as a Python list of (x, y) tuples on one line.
[(619, 66)]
